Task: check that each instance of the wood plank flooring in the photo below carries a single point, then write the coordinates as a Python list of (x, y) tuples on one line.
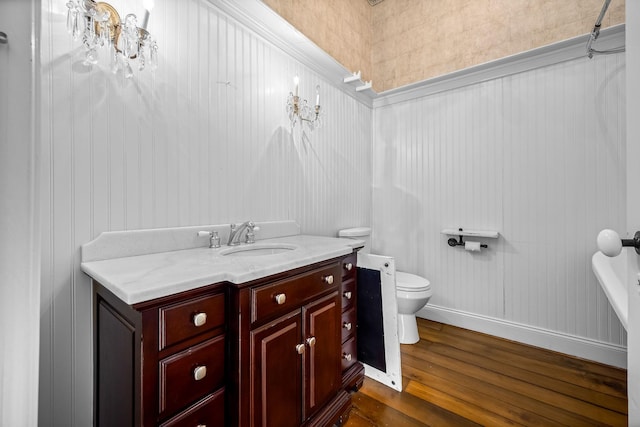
[(456, 377)]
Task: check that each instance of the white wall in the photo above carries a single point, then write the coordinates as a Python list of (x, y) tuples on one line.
[(539, 156), (19, 231), (177, 148)]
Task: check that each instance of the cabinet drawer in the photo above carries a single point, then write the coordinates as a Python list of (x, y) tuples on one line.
[(348, 293), (348, 324), (189, 318), (349, 266), (281, 297), (191, 374), (349, 356), (208, 412)]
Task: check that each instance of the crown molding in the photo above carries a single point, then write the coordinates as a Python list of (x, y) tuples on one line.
[(271, 27), (544, 56)]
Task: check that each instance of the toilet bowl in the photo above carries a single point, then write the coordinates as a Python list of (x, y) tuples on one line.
[(412, 291)]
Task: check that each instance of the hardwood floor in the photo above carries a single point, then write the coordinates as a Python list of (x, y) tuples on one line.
[(456, 377)]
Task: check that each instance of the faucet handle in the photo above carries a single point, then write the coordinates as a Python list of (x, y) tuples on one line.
[(214, 239), (251, 229)]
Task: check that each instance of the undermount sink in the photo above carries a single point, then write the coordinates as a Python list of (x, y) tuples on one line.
[(258, 249)]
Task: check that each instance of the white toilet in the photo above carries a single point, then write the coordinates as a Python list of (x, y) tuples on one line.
[(412, 292)]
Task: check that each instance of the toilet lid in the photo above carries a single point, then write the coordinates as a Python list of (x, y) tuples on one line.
[(411, 282)]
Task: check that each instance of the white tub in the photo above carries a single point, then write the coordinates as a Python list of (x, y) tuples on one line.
[(616, 275)]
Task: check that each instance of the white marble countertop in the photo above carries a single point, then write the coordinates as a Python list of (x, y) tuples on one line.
[(147, 276)]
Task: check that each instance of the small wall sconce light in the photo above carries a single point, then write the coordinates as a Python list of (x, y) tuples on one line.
[(301, 111), (98, 25)]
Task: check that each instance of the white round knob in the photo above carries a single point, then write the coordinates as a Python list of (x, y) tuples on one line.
[(280, 299), (346, 356), (329, 279), (347, 325), (609, 243), (348, 266), (199, 373), (200, 319), (347, 295)]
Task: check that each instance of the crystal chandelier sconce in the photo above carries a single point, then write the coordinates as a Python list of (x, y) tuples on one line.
[(98, 25), (300, 111)]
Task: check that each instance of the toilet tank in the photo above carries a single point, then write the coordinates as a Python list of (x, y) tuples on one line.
[(358, 233)]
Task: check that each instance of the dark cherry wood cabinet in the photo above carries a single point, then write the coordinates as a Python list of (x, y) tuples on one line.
[(295, 365), (162, 362), (277, 373), (352, 371), (272, 352)]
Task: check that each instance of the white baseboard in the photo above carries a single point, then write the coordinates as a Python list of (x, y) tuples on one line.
[(609, 354)]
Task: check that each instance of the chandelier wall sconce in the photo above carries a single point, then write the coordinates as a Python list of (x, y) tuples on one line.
[(98, 25), (300, 111)]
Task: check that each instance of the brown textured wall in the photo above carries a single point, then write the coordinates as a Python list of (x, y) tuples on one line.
[(413, 40), (342, 28)]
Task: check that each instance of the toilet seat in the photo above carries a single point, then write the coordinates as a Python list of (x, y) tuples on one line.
[(408, 282)]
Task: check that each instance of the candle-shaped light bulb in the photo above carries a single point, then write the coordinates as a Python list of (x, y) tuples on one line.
[(296, 82), (318, 95), (148, 6)]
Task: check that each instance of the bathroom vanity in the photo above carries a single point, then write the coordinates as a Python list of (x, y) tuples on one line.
[(268, 340)]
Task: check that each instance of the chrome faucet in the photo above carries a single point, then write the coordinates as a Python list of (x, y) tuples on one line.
[(236, 232)]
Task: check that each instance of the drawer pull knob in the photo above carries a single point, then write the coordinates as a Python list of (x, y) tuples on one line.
[(311, 341), (201, 425), (300, 348), (199, 319), (348, 266), (199, 372), (346, 356), (280, 299), (328, 279), (347, 295), (347, 325)]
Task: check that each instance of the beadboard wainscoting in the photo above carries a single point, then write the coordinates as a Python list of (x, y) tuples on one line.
[(204, 140), (538, 155)]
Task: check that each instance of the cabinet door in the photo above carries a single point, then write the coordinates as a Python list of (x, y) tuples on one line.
[(276, 358), (323, 367)]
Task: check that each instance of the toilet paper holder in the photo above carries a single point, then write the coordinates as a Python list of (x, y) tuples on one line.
[(453, 242)]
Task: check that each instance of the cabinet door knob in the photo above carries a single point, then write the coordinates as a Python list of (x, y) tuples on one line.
[(199, 319), (199, 372), (347, 325), (311, 341), (280, 299), (300, 348), (328, 279), (348, 266), (346, 356), (347, 295)]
